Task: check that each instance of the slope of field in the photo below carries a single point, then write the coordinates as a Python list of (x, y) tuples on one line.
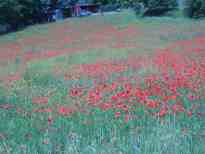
[(104, 84)]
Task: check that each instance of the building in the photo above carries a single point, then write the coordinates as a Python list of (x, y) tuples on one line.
[(59, 9)]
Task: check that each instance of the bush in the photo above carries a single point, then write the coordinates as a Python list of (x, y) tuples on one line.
[(161, 3), (110, 7), (122, 3), (159, 7), (195, 8), (19, 12)]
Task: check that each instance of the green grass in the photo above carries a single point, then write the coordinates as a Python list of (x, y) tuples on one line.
[(95, 132)]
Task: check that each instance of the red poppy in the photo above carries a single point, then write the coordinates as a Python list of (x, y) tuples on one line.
[(190, 113), (142, 95), (171, 97), (114, 86), (152, 104), (50, 120), (122, 106), (13, 77), (65, 111), (117, 114), (43, 110), (76, 92), (163, 112), (128, 86), (124, 94), (6, 106), (177, 108), (173, 88), (106, 106), (114, 98), (40, 100), (94, 97), (127, 118)]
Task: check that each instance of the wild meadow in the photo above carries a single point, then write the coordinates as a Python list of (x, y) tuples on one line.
[(112, 84)]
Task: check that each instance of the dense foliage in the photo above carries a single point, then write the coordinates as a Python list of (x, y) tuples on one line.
[(159, 7), (19, 12), (123, 3), (195, 8), (160, 3)]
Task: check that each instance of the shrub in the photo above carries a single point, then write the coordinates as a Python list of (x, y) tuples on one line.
[(195, 8), (110, 7), (158, 7), (19, 12), (170, 4)]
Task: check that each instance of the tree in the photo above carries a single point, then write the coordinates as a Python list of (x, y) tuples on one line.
[(19, 12), (158, 7), (195, 8)]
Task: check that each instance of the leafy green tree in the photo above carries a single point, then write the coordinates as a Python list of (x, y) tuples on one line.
[(18, 12), (195, 8), (160, 3), (104, 2), (158, 7)]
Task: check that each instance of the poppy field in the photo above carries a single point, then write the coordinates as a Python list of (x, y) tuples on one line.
[(104, 84)]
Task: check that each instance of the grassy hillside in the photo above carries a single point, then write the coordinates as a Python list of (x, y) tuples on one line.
[(104, 84)]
